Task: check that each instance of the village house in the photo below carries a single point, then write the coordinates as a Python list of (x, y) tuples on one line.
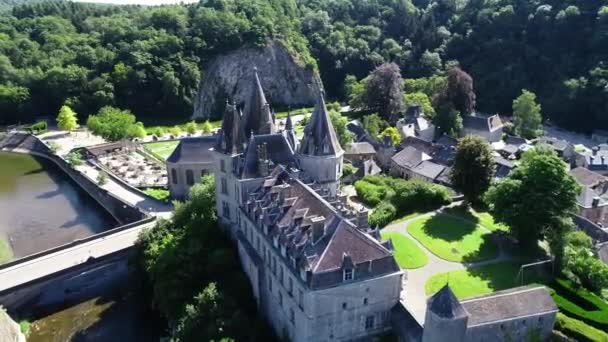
[(487, 127), (414, 124), (563, 148)]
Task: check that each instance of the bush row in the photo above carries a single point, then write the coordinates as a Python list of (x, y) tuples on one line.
[(580, 303), (396, 197), (579, 330)]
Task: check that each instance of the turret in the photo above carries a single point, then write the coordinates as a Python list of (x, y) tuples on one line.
[(320, 153), (258, 117), (289, 133), (446, 319), (231, 138)]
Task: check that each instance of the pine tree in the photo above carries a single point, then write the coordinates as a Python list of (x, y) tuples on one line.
[(66, 119)]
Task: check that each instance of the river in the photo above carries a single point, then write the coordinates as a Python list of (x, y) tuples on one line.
[(41, 207)]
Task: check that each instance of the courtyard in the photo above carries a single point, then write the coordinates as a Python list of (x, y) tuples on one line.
[(452, 245), (136, 169)]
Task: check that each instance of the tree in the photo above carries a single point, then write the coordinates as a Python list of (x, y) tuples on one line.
[(190, 127), (393, 133), (447, 119), (339, 122), (473, 168), (374, 124), (535, 198), (206, 128), (384, 91), (526, 115), (114, 124), (422, 100), (175, 131), (460, 90), (66, 119)]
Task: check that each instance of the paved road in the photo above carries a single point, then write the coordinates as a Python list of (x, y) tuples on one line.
[(414, 295), (37, 268)]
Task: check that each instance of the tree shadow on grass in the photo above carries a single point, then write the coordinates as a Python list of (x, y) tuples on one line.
[(487, 250), (448, 228)]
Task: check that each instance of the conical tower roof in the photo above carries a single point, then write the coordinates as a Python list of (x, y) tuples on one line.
[(319, 135), (231, 138), (258, 116), (445, 304)]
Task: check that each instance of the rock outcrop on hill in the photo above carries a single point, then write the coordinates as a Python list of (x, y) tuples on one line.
[(229, 76), (9, 330)]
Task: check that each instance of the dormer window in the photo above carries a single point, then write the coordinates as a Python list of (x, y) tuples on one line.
[(349, 274)]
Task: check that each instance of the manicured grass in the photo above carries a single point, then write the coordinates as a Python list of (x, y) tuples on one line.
[(407, 253), (481, 217), (6, 252), (477, 281), (162, 148), (579, 330), (453, 239)]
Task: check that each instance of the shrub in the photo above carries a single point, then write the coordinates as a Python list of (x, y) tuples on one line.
[(74, 158), (579, 330), (369, 193), (382, 215), (206, 127), (175, 131), (579, 239), (102, 178), (38, 127), (158, 131), (25, 327), (190, 127), (335, 106), (159, 194)]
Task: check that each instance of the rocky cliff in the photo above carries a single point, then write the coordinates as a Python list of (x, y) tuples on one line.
[(285, 81), (9, 330)]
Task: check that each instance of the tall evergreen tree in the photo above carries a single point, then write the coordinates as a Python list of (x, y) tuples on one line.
[(66, 119)]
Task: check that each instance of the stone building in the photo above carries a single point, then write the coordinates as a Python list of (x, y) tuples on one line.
[(191, 159), (519, 314), (487, 127), (317, 272)]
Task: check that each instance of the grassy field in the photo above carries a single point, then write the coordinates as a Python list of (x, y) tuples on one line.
[(477, 281), (162, 148), (578, 329), (6, 252), (406, 217), (483, 218), (407, 253), (453, 239)]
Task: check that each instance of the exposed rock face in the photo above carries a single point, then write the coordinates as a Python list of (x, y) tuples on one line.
[(9, 330), (285, 81)]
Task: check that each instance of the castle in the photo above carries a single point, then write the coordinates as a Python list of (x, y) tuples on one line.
[(317, 270)]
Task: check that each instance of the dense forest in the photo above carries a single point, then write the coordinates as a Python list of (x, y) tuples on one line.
[(150, 60)]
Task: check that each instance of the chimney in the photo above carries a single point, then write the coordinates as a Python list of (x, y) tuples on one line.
[(318, 228), (263, 167), (595, 202), (595, 149), (602, 158), (362, 219)]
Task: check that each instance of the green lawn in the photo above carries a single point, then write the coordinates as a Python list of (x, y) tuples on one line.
[(162, 148), (478, 281), (407, 253), (453, 239), (6, 252), (481, 217), (406, 217), (579, 330)]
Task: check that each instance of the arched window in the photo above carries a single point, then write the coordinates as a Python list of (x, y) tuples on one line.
[(174, 176), (189, 177)]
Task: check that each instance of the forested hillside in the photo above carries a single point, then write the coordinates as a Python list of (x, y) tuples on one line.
[(149, 60)]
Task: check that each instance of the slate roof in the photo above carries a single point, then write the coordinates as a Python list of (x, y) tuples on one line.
[(445, 304), (557, 144), (193, 150), (597, 160), (368, 168), (586, 197), (482, 123), (447, 141), (319, 135), (429, 169), (586, 177), (290, 209), (258, 118), (409, 157), (278, 151), (517, 141), (509, 304), (360, 148)]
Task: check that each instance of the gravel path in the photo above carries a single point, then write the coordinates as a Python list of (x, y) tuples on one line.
[(413, 295)]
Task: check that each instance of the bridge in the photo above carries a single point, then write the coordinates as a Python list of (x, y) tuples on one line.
[(61, 267)]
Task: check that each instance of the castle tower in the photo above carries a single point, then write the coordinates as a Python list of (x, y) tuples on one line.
[(231, 143), (446, 319), (320, 154), (258, 118)]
